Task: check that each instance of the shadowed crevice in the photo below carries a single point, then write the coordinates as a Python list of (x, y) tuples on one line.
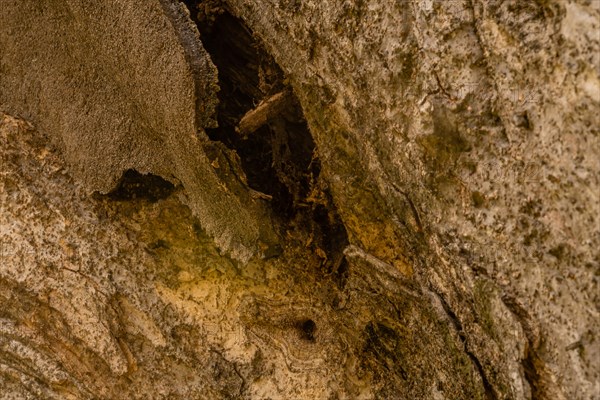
[(278, 154), (134, 185)]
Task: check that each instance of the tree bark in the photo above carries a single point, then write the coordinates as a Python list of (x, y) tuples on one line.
[(417, 220)]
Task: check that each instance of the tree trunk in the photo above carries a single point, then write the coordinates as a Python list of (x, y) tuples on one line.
[(299, 200)]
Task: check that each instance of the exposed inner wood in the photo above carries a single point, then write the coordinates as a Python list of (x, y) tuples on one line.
[(267, 109)]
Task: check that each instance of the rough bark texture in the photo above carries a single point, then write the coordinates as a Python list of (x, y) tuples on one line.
[(437, 236), (127, 85)]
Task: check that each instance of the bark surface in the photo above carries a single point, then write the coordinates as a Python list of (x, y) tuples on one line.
[(423, 207)]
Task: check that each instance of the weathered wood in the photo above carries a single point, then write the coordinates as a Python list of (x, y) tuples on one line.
[(267, 109)]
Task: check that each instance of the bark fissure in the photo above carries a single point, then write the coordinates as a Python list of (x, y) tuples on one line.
[(488, 387), (532, 364)]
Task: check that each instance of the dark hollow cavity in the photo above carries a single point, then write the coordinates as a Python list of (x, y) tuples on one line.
[(134, 185), (307, 329), (279, 158)]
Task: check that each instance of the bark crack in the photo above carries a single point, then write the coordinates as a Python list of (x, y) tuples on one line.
[(490, 393)]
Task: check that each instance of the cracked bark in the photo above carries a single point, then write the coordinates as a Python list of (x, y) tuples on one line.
[(379, 234)]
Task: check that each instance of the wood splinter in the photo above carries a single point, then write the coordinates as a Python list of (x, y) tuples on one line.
[(259, 116)]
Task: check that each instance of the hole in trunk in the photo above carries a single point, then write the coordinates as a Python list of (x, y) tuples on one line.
[(276, 157), (307, 329), (261, 119)]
